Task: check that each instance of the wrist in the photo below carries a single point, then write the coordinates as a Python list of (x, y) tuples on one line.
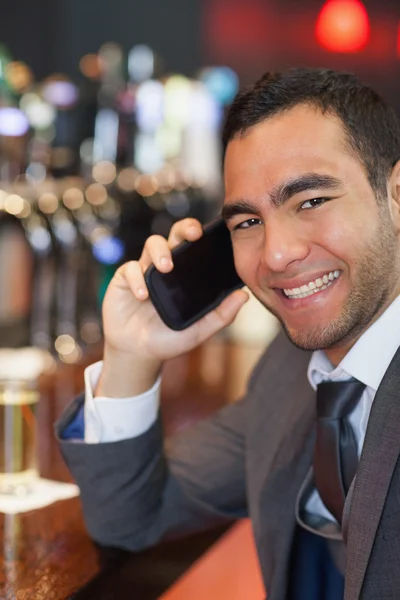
[(125, 375)]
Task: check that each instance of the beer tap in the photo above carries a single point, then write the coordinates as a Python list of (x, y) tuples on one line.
[(44, 249), (65, 235), (107, 123)]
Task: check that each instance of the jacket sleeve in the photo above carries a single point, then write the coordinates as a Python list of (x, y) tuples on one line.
[(138, 491)]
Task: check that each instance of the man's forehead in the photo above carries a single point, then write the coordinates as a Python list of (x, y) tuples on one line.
[(287, 145), (303, 121)]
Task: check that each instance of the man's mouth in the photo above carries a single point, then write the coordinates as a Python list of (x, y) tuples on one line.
[(319, 284)]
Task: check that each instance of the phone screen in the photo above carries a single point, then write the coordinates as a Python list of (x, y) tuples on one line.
[(204, 273)]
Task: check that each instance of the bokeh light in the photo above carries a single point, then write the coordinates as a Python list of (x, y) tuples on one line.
[(90, 332), (73, 198), (14, 204), (204, 109), (146, 185), (19, 76), (104, 172), (90, 66), (96, 194), (67, 348), (126, 180), (221, 82), (13, 122), (39, 236), (140, 63), (177, 100), (40, 114), (105, 135), (148, 155), (35, 172), (150, 105), (108, 250), (60, 92), (343, 26), (48, 203)]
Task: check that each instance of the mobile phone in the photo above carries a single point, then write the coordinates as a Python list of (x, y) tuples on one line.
[(203, 275)]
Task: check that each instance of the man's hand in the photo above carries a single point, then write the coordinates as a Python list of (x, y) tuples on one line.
[(136, 339)]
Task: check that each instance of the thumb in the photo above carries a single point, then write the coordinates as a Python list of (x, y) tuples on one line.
[(221, 316), (230, 306)]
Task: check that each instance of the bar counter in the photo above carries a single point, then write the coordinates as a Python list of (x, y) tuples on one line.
[(47, 554)]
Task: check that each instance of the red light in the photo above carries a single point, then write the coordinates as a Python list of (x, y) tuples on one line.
[(236, 27), (398, 41), (343, 26)]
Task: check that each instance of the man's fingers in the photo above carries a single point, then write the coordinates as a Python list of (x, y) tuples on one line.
[(130, 275), (222, 316), (156, 251), (187, 229), (229, 308), (135, 279)]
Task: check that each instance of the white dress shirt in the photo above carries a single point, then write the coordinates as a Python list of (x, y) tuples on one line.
[(114, 419)]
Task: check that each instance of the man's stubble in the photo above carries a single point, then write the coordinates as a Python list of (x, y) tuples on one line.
[(374, 286)]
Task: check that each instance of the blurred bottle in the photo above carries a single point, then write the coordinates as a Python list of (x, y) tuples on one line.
[(16, 276), (59, 92)]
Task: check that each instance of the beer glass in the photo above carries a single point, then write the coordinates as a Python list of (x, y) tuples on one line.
[(18, 453)]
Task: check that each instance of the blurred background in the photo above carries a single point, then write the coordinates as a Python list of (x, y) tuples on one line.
[(110, 119)]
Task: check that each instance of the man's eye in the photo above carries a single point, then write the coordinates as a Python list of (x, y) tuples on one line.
[(248, 223), (313, 203)]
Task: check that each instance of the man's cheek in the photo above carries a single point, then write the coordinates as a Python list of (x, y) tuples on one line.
[(247, 272)]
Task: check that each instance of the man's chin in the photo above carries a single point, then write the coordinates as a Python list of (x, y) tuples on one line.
[(311, 340), (315, 337)]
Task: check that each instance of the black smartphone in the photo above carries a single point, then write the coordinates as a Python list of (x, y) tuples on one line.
[(203, 275)]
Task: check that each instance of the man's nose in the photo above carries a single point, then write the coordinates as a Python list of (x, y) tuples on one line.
[(284, 244)]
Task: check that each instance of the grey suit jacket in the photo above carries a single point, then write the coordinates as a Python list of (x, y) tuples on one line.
[(249, 459)]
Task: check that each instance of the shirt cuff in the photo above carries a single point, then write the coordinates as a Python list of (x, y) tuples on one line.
[(116, 419)]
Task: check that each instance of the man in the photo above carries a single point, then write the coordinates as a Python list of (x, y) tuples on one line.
[(312, 184)]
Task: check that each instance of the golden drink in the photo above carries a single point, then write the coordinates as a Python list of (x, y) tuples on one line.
[(18, 461)]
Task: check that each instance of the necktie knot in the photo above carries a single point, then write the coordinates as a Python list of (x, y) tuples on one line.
[(338, 399)]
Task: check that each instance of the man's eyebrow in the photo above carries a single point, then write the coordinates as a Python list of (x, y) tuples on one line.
[(241, 207), (309, 181), (283, 193)]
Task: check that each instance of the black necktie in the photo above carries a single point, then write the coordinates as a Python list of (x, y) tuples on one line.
[(335, 454)]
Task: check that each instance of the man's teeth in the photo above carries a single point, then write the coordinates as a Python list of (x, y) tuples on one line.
[(313, 287)]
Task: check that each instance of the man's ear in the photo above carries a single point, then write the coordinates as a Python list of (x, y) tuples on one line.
[(394, 195)]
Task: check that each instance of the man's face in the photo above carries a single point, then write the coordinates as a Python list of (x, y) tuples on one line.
[(309, 238)]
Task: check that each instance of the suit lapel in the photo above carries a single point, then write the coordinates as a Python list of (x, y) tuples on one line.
[(285, 470), (379, 456)]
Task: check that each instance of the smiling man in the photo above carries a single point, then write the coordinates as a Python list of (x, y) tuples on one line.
[(313, 240), (312, 183)]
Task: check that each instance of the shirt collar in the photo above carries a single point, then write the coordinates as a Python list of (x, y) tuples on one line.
[(370, 356)]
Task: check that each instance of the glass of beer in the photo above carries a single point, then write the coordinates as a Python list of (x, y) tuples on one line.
[(18, 428)]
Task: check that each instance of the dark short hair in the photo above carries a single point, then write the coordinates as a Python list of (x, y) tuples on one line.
[(371, 125)]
